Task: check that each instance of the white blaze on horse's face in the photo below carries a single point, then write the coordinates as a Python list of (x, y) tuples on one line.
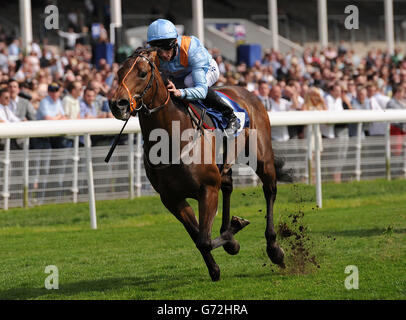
[(128, 78)]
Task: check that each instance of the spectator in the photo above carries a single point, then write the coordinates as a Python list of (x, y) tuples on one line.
[(88, 109), (376, 102), (279, 133), (71, 36), (263, 95), (99, 99), (92, 107), (71, 101), (6, 115), (14, 49), (291, 94), (21, 107), (398, 130), (334, 102), (351, 90), (313, 100), (51, 108), (360, 102), (282, 73), (3, 58)]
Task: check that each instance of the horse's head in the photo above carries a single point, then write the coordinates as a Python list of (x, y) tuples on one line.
[(136, 79)]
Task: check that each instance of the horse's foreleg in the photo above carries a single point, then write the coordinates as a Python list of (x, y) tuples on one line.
[(267, 174), (208, 201), (231, 245), (200, 236), (182, 210)]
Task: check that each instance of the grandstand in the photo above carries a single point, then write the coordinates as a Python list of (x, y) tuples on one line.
[(297, 18)]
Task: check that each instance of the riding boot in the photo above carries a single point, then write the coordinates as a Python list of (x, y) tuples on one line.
[(214, 101)]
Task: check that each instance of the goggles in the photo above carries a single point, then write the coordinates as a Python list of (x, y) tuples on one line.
[(165, 45)]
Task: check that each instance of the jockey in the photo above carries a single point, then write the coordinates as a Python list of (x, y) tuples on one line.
[(187, 62)]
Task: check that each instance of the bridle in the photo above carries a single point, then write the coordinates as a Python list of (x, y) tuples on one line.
[(140, 97)]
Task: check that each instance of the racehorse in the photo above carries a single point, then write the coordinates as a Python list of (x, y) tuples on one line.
[(141, 90)]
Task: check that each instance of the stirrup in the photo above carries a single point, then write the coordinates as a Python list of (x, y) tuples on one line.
[(232, 127)]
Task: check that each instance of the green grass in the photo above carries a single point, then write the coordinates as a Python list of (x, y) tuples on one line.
[(140, 251)]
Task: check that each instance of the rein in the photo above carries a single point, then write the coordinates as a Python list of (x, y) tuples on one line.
[(133, 98)]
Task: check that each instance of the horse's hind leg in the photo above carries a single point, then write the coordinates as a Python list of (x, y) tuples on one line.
[(232, 247), (200, 235), (267, 174)]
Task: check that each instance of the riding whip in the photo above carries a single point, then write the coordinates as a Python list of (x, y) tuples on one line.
[(116, 140)]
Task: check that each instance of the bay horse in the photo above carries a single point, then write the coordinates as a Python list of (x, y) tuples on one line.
[(141, 90)]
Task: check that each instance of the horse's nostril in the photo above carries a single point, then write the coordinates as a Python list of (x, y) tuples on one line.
[(123, 103)]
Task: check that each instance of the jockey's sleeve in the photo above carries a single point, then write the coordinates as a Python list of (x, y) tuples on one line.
[(199, 91), (200, 64)]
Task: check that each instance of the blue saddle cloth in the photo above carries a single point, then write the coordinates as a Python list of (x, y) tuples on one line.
[(219, 121)]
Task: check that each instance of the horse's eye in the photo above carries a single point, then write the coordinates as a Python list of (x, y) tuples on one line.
[(142, 74)]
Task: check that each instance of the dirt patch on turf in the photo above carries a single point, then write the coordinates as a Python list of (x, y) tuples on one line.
[(295, 238)]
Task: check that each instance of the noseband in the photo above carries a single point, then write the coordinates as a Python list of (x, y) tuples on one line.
[(140, 97)]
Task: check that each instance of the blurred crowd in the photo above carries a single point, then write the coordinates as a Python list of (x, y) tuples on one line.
[(48, 83), (332, 79), (335, 78)]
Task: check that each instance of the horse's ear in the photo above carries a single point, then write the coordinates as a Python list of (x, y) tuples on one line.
[(153, 56)]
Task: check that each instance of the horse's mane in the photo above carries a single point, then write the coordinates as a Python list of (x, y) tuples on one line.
[(141, 50)]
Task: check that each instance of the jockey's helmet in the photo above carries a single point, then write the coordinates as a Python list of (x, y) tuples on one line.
[(162, 34)]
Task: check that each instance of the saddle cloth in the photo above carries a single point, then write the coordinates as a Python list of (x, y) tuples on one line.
[(213, 119)]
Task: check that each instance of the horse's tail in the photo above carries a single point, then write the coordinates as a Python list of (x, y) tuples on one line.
[(282, 174)]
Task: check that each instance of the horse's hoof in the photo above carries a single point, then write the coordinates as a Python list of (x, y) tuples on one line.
[(215, 274), (276, 254), (232, 247), (237, 223)]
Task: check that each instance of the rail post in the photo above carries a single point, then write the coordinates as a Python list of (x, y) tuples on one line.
[(138, 156), (309, 155), (358, 152), (131, 164), (90, 183), (317, 142), (6, 169), (404, 156), (26, 145), (75, 158), (387, 151)]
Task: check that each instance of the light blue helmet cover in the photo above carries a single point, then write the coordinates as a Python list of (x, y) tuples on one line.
[(161, 29)]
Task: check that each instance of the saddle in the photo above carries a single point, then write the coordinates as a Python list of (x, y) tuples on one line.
[(200, 117), (208, 118)]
